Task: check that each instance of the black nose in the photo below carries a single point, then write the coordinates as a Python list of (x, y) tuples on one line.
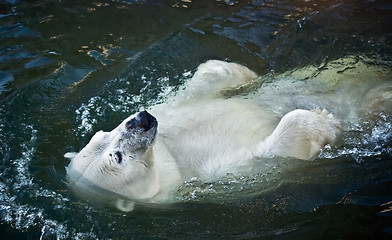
[(143, 120)]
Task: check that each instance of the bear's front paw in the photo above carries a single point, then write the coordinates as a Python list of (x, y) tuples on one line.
[(124, 205)]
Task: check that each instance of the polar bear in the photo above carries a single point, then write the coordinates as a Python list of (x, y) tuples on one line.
[(213, 126)]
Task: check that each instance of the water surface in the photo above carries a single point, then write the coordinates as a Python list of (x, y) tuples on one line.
[(70, 68)]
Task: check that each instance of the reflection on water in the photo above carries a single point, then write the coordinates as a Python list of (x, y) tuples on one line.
[(70, 68)]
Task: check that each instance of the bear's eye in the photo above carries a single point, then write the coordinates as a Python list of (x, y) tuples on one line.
[(117, 156)]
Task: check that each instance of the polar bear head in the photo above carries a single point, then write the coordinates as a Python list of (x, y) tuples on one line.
[(119, 161)]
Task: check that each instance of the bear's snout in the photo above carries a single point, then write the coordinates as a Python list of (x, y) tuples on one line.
[(143, 120)]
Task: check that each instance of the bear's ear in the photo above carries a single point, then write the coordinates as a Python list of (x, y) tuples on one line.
[(70, 155)]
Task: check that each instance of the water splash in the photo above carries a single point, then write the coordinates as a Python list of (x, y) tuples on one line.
[(84, 115), (14, 210), (23, 201), (364, 140), (121, 100), (267, 175)]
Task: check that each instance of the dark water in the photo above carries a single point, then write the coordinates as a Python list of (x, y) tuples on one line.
[(69, 68)]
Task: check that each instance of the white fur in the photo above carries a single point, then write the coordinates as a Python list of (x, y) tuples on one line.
[(214, 126)]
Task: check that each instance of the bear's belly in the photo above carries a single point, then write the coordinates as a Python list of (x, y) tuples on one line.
[(210, 140)]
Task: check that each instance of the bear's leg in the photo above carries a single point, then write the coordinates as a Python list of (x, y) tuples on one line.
[(215, 78), (302, 134)]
